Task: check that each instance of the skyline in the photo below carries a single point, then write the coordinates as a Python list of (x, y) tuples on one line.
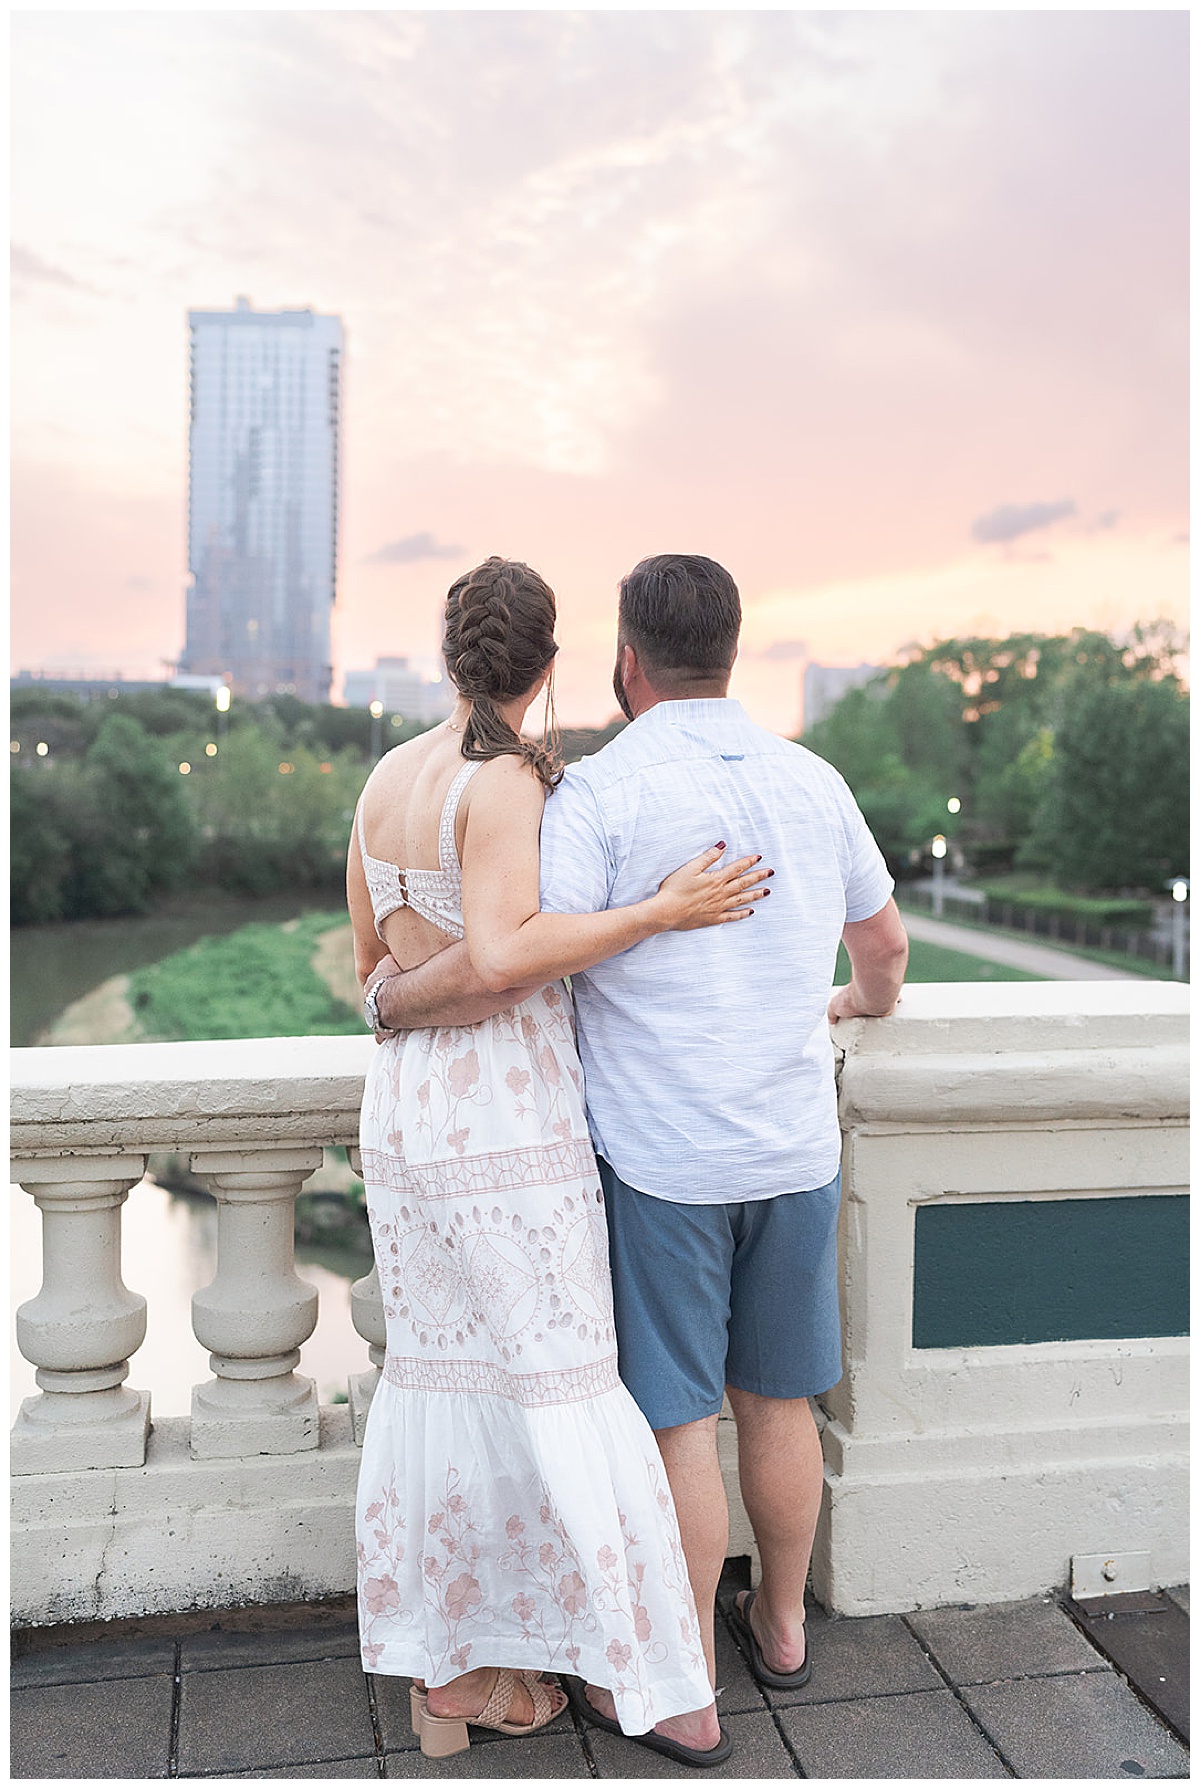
[(887, 312)]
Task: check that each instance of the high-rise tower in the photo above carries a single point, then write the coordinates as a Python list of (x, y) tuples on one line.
[(263, 498)]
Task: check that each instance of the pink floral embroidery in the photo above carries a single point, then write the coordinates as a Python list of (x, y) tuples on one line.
[(572, 1593), (464, 1072), (463, 1597), (382, 1595), (490, 1241)]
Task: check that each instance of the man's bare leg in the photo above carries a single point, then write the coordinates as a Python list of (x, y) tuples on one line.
[(694, 1474), (781, 1470)]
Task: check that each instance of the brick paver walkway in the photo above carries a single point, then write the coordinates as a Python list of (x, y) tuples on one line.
[(1016, 1690)]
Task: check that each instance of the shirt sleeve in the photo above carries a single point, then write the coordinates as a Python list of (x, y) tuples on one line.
[(577, 872), (868, 881)]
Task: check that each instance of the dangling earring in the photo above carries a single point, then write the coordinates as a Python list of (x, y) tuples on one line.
[(550, 737)]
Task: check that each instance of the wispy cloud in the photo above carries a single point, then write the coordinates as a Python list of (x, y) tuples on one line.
[(412, 548), (1011, 520), (29, 269), (783, 651)]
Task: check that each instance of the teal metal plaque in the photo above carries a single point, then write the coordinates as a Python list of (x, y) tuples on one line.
[(1050, 1270)]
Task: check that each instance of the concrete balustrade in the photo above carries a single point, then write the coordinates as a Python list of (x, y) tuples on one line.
[(84, 1324), (1014, 1394), (257, 1311)]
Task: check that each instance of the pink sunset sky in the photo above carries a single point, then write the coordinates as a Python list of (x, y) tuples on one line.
[(886, 311)]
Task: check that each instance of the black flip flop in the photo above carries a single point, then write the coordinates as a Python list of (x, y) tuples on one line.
[(654, 1742), (739, 1615)]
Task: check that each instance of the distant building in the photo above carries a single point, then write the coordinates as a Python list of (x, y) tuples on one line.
[(89, 685), (825, 685), (92, 684), (403, 688), (263, 499)]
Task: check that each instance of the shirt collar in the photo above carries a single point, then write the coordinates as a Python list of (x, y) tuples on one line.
[(702, 708)]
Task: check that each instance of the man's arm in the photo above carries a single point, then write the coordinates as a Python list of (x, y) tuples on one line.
[(878, 952), (444, 990)]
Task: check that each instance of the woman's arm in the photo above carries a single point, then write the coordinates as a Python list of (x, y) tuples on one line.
[(510, 942), (369, 948)]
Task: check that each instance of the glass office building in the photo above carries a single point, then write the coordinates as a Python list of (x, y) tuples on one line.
[(263, 499)]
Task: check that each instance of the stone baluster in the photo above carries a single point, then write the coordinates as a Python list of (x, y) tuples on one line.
[(84, 1323), (366, 1310), (257, 1311)]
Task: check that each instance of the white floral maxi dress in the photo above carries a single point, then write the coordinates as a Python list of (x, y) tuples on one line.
[(512, 1504)]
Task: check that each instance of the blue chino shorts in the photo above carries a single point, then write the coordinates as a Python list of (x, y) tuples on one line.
[(713, 1295)]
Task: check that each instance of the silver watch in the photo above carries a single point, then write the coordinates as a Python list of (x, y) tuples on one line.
[(371, 1005)]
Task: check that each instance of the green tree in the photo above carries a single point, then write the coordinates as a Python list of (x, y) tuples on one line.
[(1115, 810), (136, 839), (40, 844), (263, 827), (900, 744), (986, 720)]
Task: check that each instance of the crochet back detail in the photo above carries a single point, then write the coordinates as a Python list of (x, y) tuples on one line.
[(435, 894)]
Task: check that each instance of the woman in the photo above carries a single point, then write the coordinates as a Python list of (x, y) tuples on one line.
[(513, 1513)]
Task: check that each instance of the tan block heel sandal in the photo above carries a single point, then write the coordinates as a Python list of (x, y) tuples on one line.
[(441, 1736)]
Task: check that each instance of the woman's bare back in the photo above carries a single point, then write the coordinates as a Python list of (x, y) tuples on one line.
[(401, 813)]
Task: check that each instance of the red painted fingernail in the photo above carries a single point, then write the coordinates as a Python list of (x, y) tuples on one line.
[(720, 845), (770, 872), (766, 892)]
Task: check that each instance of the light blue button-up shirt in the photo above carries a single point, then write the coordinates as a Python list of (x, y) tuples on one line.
[(707, 1056)]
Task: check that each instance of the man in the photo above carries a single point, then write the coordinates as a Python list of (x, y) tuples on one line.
[(709, 1075)]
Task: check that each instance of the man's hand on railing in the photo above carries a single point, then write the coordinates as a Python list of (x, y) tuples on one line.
[(878, 952)]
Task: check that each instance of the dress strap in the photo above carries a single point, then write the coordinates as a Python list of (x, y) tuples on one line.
[(447, 851)]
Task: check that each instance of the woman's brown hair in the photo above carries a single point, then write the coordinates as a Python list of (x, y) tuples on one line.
[(498, 639)]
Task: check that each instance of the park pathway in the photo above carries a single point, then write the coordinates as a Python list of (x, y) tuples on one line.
[(1016, 953)]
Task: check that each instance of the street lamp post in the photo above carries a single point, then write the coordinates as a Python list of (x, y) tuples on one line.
[(1180, 889), (223, 697), (938, 849), (376, 728)]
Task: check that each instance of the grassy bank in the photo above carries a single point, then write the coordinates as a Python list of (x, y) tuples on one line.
[(933, 962), (257, 982), (297, 980)]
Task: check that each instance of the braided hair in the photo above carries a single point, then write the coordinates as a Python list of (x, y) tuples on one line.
[(498, 639)]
